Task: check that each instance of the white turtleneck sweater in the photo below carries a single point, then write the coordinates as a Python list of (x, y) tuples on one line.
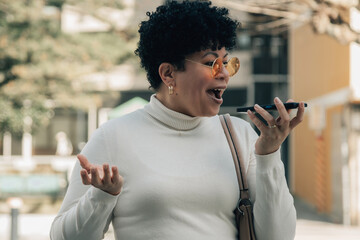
[(179, 182)]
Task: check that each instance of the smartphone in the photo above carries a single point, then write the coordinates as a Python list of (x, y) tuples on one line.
[(270, 107)]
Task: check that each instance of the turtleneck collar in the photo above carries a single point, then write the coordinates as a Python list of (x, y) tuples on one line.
[(169, 117)]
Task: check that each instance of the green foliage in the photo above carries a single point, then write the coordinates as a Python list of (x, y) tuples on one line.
[(40, 64)]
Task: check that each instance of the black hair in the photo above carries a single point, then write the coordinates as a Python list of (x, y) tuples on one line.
[(177, 29)]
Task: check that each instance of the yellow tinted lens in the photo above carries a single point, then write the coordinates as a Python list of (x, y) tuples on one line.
[(216, 67), (233, 66)]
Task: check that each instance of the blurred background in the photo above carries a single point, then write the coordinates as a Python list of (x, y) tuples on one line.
[(68, 66)]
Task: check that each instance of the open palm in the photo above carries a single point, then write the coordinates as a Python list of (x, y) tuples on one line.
[(100, 176)]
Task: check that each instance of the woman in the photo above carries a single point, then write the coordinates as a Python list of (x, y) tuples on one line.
[(172, 174)]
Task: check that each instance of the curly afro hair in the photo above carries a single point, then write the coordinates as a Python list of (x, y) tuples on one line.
[(176, 29)]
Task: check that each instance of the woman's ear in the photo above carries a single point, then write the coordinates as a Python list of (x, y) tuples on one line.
[(166, 72)]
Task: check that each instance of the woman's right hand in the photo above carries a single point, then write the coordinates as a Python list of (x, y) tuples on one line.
[(100, 176)]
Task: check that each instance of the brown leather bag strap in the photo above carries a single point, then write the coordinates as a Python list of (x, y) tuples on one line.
[(236, 154)]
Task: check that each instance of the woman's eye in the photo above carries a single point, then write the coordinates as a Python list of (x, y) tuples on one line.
[(209, 63), (225, 63)]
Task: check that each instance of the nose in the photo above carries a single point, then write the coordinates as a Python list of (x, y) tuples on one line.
[(222, 74)]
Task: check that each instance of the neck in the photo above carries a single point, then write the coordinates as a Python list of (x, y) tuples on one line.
[(169, 100), (169, 117)]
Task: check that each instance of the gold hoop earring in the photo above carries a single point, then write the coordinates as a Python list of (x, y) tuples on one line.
[(171, 90)]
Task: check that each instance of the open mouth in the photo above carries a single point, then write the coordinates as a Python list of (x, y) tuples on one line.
[(216, 93)]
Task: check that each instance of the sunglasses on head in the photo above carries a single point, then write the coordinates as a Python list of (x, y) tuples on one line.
[(232, 66)]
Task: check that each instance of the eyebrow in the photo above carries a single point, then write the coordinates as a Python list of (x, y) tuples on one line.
[(214, 54)]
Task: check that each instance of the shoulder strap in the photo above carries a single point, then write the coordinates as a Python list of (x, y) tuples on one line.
[(236, 154)]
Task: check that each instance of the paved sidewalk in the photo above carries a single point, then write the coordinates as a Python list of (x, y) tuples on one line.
[(314, 226), (315, 230)]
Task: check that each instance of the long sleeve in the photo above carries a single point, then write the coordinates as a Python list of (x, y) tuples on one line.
[(86, 211), (274, 211)]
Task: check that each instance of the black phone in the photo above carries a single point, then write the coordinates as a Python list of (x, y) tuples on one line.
[(270, 107)]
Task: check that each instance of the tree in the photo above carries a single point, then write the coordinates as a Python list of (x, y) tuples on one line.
[(40, 66), (326, 16)]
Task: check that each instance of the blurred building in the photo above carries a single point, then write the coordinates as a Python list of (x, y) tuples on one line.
[(325, 148)]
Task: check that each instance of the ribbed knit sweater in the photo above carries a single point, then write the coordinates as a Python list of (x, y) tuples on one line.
[(179, 182)]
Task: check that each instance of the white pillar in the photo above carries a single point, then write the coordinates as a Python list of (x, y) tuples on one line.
[(103, 116), (7, 146), (27, 146), (92, 116), (355, 87), (355, 56)]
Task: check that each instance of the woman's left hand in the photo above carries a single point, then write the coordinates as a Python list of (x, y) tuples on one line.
[(277, 130)]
